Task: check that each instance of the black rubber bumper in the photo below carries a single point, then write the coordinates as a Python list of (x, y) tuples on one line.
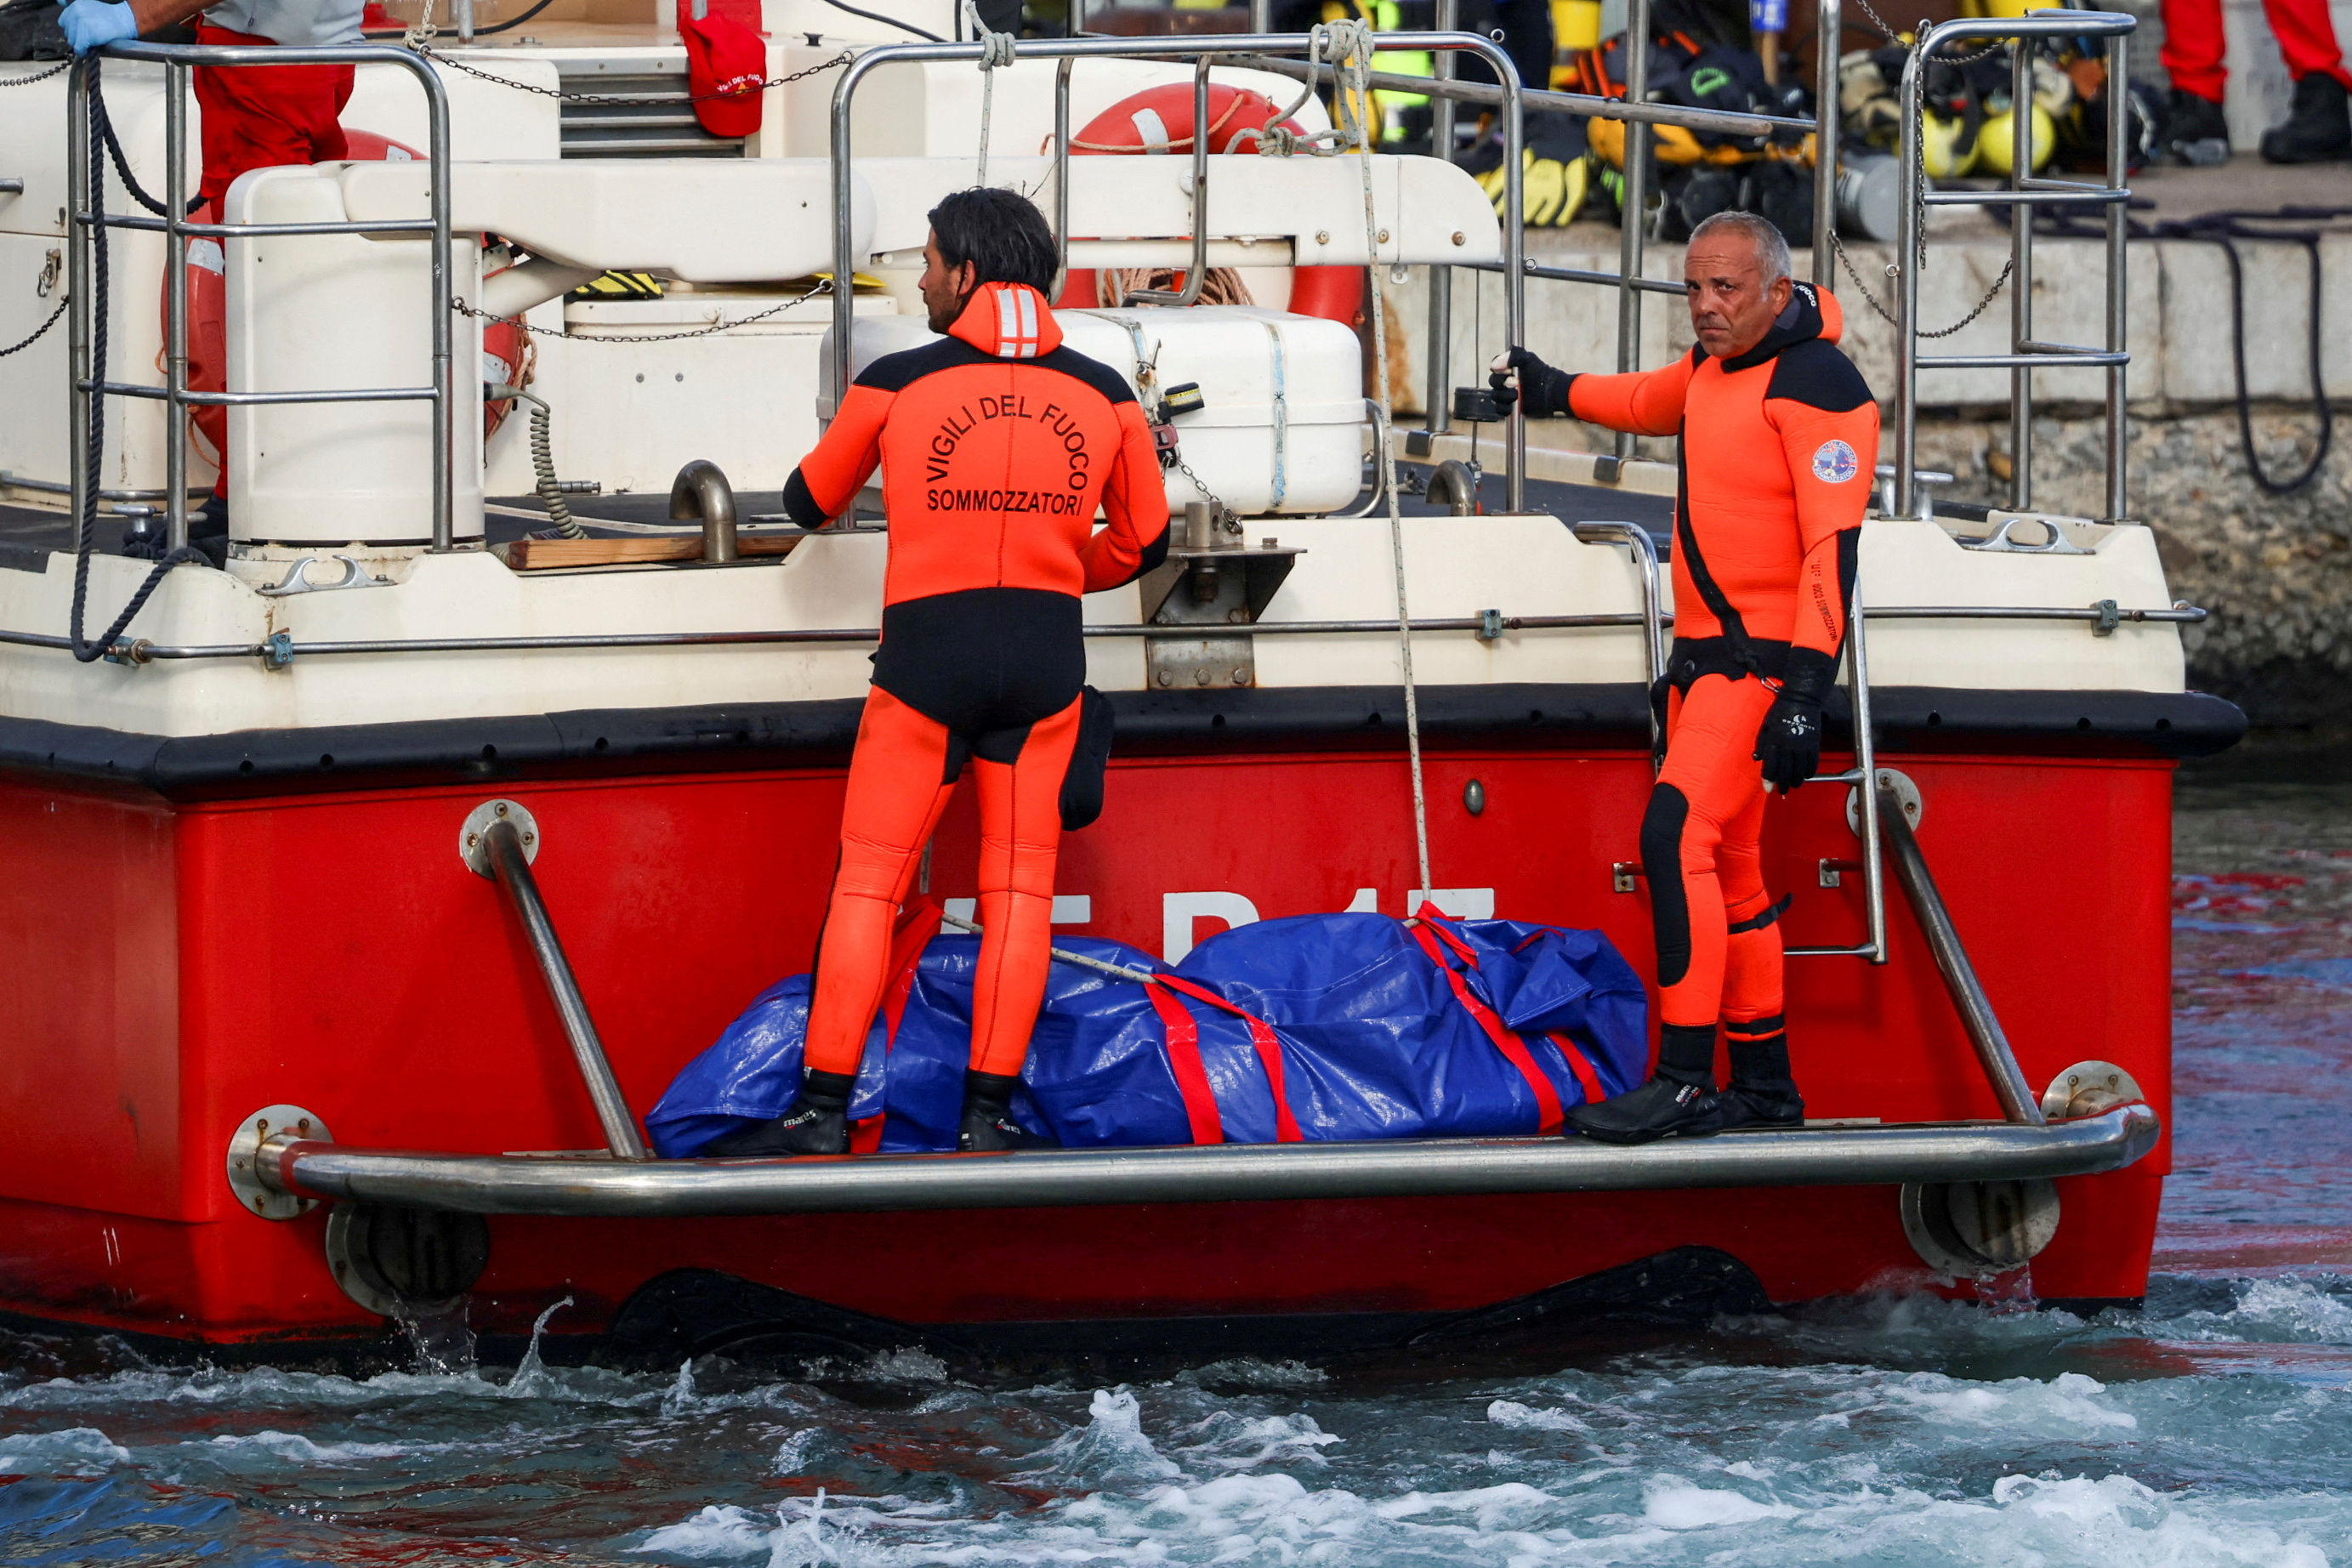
[(758, 735)]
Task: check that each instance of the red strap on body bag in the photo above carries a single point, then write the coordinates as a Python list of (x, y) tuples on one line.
[(1193, 1077), (724, 54), (1431, 930)]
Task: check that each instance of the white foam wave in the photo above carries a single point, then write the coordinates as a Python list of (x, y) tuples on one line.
[(1229, 1441), (1531, 1418), (2069, 1402), (77, 1450), (1671, 1502), (295, 1448), (1110, 1446)]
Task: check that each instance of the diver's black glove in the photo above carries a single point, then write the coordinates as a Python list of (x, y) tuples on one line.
[(1790, 743), (1546, 388)]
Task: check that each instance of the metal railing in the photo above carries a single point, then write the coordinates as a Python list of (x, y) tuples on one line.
[(2025, 192), (281, 649), (85, 197), (1256, 50)]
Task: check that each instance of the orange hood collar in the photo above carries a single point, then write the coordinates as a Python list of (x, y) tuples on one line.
[(1009, 320)]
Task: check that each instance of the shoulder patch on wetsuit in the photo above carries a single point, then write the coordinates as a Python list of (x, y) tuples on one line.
[(1816, 375), (1093, 372), (1835, 463), (895, 372)]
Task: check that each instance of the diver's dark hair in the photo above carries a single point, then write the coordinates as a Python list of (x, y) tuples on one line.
[(1001, 233)]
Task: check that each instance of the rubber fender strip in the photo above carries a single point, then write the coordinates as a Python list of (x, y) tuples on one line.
[(1184, 1066), (1269, 1053), (1770, 916), (1579, 1064), (1515, 1050)]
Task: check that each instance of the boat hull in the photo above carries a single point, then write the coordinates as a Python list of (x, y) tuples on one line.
[(185, 962)]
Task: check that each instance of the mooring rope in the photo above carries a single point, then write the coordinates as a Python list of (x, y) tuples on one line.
[(1351, 54)]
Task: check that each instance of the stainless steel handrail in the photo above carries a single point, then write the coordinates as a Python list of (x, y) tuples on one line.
[(138, 650), (1197, 275), (509, 864), (1216, 1172), (86, 197), (1227, 48), (1862, 776), (2018, 1102), (1654, 616), (1910, 249)]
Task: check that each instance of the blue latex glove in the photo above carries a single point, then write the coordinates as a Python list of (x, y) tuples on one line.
[(94, 24)]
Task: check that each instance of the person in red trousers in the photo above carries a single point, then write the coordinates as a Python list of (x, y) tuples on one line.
[(2318, 128)]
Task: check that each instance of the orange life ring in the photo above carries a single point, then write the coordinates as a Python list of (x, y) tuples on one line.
[(1159, 120)]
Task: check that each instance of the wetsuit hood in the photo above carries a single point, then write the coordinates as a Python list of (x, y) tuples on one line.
[(1008, 320), (1811, 313)]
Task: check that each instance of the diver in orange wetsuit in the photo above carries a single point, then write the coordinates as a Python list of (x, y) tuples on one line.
[(999, 446), (1779, 439)]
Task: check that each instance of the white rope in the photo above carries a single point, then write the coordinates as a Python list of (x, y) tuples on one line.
[(1116, 970), (1275, 139), (1351, 44), (996, 49)]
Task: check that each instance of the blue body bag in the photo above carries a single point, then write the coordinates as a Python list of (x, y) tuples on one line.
[(1317, 1027)]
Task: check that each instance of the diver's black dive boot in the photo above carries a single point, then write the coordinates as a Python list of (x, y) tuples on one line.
[(1680, 1098), (817, 1123), (2318, 128), (1763, 1094), (988, 1127)]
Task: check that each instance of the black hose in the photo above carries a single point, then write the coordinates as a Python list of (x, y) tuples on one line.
[(93, 467)]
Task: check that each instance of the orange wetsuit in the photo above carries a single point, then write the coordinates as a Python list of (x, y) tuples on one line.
[(1778, 447), (998, 447)]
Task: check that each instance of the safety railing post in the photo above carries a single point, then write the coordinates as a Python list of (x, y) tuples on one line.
[(1866, 762), (1630, 214), (1438, 398), (445, 365), (1062, 173), (1829, 32), (1636, 539), (83, 198), (1909, 241), (1197, 276), (2118, 259), (175, 306), (1514, 266), (2021, 282)]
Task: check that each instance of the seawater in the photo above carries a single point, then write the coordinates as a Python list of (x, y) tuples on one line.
[(2214, 1426)]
